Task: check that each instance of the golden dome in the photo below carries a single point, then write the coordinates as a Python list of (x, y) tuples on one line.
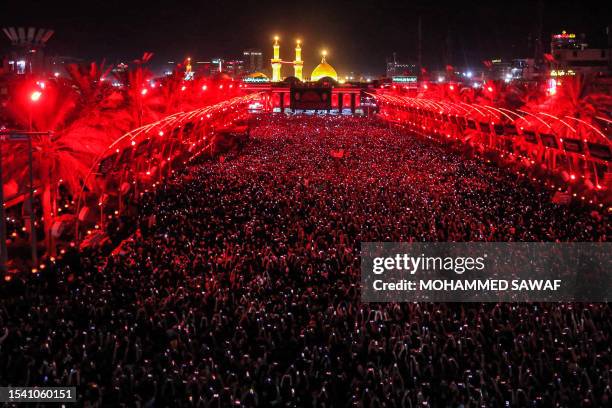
[(257, 75), (323, 70)]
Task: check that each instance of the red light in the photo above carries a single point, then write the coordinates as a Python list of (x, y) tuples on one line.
[(573, 176), (35, 96), (8, 278)]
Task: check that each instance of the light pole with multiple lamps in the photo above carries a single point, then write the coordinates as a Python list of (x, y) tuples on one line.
[(20, 137)]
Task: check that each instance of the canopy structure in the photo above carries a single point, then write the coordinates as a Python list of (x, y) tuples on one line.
[(140, 159), (566, 146)]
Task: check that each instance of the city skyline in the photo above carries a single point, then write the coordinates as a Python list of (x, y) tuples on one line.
[(359, 36)]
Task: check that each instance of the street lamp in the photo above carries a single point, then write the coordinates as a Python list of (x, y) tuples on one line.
[(19, 137), (34, 98)]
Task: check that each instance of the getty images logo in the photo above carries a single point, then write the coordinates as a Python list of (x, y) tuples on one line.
[(412, 264)]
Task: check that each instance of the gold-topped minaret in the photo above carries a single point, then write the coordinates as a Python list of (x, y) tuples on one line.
[(298, 64), (276, 62)]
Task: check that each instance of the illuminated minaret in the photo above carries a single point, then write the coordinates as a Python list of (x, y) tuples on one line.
[(298, 64), (276, 62)]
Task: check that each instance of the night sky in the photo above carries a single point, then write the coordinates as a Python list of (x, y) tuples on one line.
[(359, 35)]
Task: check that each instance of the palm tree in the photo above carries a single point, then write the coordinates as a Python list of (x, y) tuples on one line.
[(572, 111), (518, 94), (69, 110), (577, 97), (83, 114)]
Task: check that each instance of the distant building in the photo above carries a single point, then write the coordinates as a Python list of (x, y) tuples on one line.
[(26, 55), (523, 69), (205, 68), (217, 65), (202, 68), (56, 65), (395, 68), (500, 70), (571, 56), (253, 60), (567, 41), (233, 68), (512, 70), (581, 61)]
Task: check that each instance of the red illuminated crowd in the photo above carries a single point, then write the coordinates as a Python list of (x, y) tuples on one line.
[(241, 287)]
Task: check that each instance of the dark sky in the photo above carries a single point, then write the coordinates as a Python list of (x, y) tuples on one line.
[(358, 34)]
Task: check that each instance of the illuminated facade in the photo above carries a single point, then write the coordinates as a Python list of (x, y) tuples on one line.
[(253, 60), (298, 64), (26, 55), (566, 40), (276, 62), (321, 71), (571, 55)]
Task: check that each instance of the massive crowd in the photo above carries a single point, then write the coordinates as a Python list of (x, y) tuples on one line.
[(241, 287)]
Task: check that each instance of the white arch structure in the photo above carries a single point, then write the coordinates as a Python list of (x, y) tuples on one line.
[(565, 143), (141, 158)]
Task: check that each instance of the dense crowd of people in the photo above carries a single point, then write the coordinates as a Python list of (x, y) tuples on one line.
[(241, 287)]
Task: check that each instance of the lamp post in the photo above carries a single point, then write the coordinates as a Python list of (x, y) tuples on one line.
[(3, 254), (31, 205), (34, 97), (143, 92), (19, 137)]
